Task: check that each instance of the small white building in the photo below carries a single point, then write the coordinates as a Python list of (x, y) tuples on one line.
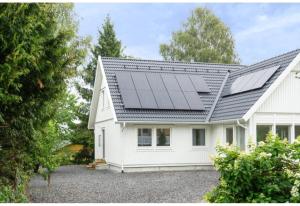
[(162, 115)]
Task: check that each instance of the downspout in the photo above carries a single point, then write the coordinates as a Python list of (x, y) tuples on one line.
[(122, 161), (239, 124), (218, 97)]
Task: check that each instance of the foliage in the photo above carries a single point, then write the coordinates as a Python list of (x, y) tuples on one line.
[(269, 173), (39, 51), (107, 45), (203, 38)]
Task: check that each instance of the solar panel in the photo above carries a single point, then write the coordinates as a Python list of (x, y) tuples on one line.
[(159, 91), (127, 90), (199, 83), (194, 100), (175, 92), (178, 100), (140, 90), (143, 90), (185, 83), (254, 80)]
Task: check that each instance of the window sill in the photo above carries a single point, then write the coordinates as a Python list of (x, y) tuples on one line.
[(199, 148)]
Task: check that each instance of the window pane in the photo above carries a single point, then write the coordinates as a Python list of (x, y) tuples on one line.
[(163, 137), (262, 132), (198, 137), (297, 131), (144, 137), (283, 131), (229, 135)]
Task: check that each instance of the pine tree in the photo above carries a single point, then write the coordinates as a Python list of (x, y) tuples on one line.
[(107, 46)]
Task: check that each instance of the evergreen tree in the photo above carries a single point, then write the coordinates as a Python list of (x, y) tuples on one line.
[(107, 46), (203, 38), (39, 51)]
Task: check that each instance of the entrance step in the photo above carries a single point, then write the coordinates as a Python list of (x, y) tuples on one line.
[(101, 163)]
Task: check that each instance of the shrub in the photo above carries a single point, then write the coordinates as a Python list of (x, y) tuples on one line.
[(270, 172)]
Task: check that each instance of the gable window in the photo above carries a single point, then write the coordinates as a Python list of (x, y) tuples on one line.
[(283, 131), (262, 132), (198, 137), (163, 137), (144, 137), (229, 135), (103, 99), (297, 131)]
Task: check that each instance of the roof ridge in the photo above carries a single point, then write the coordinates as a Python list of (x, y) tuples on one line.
[(275, 57), (168, 61)]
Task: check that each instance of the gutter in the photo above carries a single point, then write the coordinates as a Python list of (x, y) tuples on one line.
[(239, 124), (218, 97)]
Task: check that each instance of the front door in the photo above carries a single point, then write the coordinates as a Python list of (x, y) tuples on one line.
[(103, 143)]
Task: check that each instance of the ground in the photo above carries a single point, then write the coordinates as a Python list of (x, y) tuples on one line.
[(78, 184)]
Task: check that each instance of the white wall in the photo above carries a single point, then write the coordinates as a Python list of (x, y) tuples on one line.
[(281, 108), (180, 152), (104, 120)]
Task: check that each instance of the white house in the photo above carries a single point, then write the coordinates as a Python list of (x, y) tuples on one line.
[(160, 115)]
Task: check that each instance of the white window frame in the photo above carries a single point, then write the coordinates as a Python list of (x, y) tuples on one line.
[(155, 137), (290, 126), (137, 139), (206, 140), (233, 135)]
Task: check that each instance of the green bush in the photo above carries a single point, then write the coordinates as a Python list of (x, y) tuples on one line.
[(269, 173)]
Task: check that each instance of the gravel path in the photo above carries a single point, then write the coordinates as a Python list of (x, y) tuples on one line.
[(78, 184)]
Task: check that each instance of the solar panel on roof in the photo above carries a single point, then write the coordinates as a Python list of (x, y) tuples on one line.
[(143, 90), (254, 80), (185, 83), (194, 101), (159, 91), (128, 92), (199, 83)]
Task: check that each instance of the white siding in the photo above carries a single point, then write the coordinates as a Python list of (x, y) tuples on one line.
[(285, 99), (180, 152)]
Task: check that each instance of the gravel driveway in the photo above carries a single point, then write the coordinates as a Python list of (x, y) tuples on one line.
[(78, 184)]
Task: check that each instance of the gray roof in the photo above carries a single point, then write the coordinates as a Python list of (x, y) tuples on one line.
[(228, 107), (236, 106)]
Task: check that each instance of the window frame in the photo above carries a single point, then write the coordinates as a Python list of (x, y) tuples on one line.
[(156, 138), (296, 125), (205, 137), (137, 139), (233, 133), (264, 124), (289, 130)]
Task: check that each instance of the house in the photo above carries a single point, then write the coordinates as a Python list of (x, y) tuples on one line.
[(163, 115)]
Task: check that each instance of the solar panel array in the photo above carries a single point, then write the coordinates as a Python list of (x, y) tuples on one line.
[(141, 90), (252, 81)]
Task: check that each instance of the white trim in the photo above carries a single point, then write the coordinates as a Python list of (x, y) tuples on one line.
[(270, 90), (108, 90)]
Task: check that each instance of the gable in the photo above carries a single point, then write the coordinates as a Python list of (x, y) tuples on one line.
[(239, 105), (286, 97)]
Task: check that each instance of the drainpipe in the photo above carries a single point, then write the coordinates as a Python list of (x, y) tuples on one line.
[(239, 124), (122, 162)]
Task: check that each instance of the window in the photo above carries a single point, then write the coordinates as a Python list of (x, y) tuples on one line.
[(229, 135), (103, 99), (283, 131), (198, 137), (163, 137), (297, 131), (262, 132), (144, 137)]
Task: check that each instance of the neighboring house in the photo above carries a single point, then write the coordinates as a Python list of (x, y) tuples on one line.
[(155, 115)]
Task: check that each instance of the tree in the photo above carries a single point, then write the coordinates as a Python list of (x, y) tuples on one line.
[(203, 38), (109, 46), (39, 51)]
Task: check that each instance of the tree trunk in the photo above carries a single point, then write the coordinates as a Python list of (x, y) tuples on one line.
[(49, 178)]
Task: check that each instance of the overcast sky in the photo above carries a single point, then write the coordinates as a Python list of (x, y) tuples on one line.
[(260, 30)]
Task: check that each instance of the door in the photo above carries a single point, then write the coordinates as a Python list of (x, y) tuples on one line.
[(103, 143)]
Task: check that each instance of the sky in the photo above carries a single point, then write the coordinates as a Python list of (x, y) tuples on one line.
[(260, 31)]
